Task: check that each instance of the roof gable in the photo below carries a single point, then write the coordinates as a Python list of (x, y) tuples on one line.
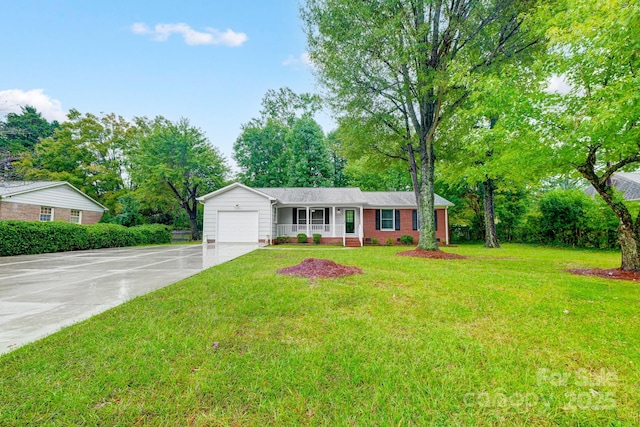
[(16, 188), (232, 187)]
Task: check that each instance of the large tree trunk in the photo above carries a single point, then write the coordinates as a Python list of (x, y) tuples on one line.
[(193, 224), (629, 240), (426, 202), (490, 235), (628, 230)]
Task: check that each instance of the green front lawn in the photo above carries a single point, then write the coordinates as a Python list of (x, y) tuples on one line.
[(505, 337)]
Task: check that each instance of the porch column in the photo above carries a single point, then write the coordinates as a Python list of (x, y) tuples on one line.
[(308, 220), (333, 223)]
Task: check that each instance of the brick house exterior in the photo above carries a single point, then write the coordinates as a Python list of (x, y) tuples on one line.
[(407, 225), (47, 200), (240, 214)]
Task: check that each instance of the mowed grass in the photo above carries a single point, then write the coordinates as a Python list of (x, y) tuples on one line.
[(505, 337)]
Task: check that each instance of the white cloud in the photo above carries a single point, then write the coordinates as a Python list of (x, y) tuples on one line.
[(162, 32), (11, 100), (302, 61)]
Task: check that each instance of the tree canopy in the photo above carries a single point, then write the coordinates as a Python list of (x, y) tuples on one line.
[(404, 67), (177, 158), (285, 145), (595, 127), (87, 151), (19, 134)]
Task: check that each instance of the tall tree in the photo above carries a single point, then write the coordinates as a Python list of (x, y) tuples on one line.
[(491, 141), (86, 150), (308, 155), (274, 150), (19, 134), (595, 128), (337, 161), (177, 157), (261, 153), (407, 65), (285, 106)]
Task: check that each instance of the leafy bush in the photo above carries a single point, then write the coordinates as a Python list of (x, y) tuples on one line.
[(22, 237), (151, 234), (302, 238), (283, 239), (316, 238), (110, 236), (374, 241), (25, 237), (390, 242), (570, 217), (406, 239)]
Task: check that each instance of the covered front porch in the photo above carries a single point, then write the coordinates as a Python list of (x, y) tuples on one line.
[(328, 221)]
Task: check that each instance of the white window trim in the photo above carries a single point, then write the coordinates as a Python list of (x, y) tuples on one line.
[(393, 220), (79, 216), (300, 219), (52, 213), (321, 210)]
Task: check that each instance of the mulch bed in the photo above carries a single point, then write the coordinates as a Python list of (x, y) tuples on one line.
[(315, 268), (607, 273), (421, 253)]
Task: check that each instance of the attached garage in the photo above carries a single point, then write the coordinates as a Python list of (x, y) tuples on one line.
[(237, 227), (238, 214)]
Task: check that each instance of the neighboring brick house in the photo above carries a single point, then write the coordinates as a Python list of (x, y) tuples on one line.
[(47, 201), (238, 213)]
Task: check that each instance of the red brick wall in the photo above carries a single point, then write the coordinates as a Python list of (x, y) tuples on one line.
[(10, 210), (406, 227), (23, 212), (90, 217)]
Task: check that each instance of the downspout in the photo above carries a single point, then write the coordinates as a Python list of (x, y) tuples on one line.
[(361, 226), (446, 223)]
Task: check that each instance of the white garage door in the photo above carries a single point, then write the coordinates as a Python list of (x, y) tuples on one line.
[(237, 227)]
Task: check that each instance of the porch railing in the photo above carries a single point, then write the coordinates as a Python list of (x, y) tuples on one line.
[(325, 230)]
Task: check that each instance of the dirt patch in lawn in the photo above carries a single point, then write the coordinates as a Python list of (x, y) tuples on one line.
[(315, 268), (607, 273), (421, 253)]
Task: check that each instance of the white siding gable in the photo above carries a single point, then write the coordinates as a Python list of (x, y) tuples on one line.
[(61, 196), (237, 199)]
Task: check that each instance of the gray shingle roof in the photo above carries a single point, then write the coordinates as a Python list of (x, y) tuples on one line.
[(346, 196), (398, 199), (8, 188), (336, 196), (626, 182)]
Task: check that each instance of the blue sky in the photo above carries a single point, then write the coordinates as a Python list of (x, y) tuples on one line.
[(208, 60)]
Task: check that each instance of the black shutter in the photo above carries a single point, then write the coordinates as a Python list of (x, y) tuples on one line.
[(397, 213), (326, 215), (414, 219), (435, 219), (377, 219), (295, 215)]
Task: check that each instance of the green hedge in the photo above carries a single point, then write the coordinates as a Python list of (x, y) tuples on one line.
[(23, 238)]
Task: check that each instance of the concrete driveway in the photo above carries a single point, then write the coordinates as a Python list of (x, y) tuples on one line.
[(40, 294)]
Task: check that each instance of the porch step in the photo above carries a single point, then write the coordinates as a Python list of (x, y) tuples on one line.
[(352, 242)]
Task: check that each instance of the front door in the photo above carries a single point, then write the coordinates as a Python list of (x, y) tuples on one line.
[(350, 221)]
